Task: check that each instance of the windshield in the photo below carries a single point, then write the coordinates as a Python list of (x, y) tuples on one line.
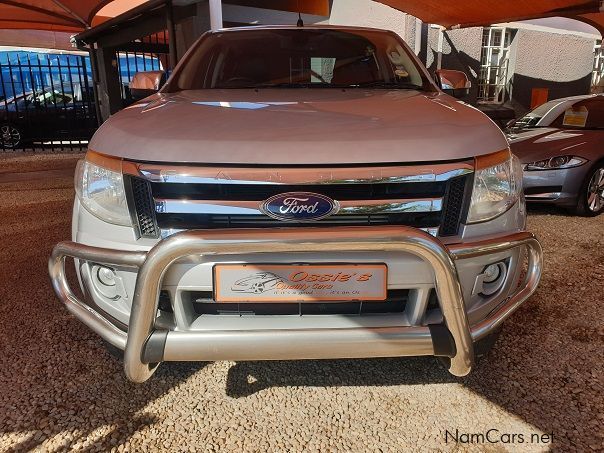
[(290, 58), (49, 97), (532, 118)]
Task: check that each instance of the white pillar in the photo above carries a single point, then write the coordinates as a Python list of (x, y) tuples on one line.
[(215, 14), (439, 57), (418, 36)]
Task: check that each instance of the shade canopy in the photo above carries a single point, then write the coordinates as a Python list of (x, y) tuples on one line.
[(77, 15), (56, 15), (467, 13)]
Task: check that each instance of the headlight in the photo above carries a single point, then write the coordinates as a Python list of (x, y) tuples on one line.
[(555, 163), (101, 189), (497, 186)]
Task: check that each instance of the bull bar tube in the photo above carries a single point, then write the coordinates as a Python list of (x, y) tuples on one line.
[(145, 346)]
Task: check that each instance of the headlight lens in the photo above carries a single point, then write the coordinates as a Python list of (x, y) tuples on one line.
[(555, 163), (496, 187), (101, 191)]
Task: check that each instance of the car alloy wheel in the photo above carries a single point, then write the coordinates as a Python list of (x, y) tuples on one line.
[(258, 288), (595, 191), (10, 136)]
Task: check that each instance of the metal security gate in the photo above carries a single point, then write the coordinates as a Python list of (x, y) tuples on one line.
[(46, 101)]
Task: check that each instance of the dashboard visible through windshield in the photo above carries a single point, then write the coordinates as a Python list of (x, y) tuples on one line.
[(304, 57)]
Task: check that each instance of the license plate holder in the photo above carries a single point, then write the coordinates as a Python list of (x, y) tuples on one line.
[(300, 282)]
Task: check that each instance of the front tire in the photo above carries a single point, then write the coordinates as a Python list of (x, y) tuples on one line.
[(591, 198)]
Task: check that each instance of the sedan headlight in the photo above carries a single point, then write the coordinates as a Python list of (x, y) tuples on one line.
[(497, 186), (554, 163), (100, 188)]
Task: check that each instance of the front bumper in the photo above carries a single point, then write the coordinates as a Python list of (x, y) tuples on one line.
[(146, 346), (560, 186)]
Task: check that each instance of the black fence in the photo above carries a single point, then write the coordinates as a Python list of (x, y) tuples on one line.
[(47, 99)]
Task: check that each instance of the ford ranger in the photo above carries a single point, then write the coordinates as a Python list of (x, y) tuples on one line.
[(298, 193)]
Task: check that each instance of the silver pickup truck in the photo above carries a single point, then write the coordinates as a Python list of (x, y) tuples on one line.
[(298, 193)]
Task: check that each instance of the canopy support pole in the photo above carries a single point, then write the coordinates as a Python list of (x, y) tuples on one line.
[(173, 57), (215, 14), (95, 83), (417, 44)]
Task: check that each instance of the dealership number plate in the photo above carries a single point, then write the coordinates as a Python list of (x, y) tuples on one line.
[(299, 282)]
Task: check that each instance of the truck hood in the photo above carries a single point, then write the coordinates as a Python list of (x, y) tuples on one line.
[(298, 127)]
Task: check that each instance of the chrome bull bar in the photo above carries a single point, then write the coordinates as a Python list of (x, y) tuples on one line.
[(145, 346)]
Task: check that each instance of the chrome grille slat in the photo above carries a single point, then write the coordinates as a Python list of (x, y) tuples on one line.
[(429, 197), (253, 207), (397, 174)]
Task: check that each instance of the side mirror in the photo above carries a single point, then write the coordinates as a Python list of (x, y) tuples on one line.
[(146, 83), (455, 83)]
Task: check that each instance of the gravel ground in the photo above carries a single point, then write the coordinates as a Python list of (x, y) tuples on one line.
[(30, 162), (60, 389)]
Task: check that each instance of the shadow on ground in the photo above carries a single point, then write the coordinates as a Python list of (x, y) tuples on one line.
[(247, 378)]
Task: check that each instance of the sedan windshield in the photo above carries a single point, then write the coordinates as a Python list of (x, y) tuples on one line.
[(532, 118), (302, 57)]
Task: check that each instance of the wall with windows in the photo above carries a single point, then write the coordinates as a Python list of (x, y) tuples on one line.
[(504, 62)]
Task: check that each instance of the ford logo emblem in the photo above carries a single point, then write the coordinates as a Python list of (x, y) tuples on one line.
[(299, 207)]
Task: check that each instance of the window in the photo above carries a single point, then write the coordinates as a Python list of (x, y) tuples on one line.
[(532, 118), (597, 75), (291, 58), (494, 65), (593, 108)]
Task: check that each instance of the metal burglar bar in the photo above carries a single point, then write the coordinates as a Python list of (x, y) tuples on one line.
[(496, 43), (46, 101)]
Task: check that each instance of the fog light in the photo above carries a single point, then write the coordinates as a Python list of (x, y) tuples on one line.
[(491, 279), (491, 273), (106, 282), (106, 276)]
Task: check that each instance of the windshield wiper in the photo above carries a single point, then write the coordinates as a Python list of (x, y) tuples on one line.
[(375, 84), (395, 85), (300, 85)]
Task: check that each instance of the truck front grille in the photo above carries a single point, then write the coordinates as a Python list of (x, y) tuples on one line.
[(210, 221), (204, 304), (455, 200), (162, 205), (142, 205)]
